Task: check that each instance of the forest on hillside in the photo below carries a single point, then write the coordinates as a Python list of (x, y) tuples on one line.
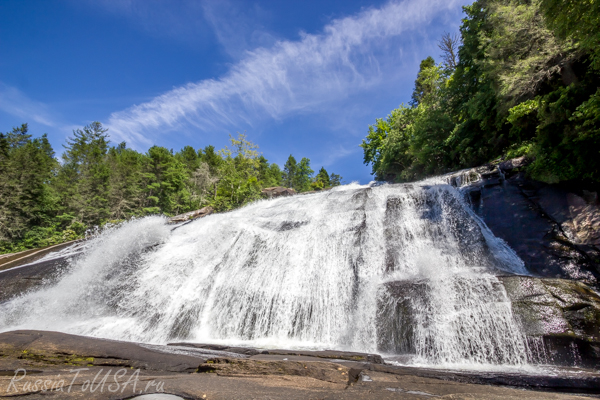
[(521, 79), (44, 201)]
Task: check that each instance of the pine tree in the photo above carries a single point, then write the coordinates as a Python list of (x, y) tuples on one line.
[(165, 180), (125, 193), (335, 180), (83, 182), (274, 176), (303, 176), (290, 170), (421, 86), (323, 177), (189, 157), (26, 201)]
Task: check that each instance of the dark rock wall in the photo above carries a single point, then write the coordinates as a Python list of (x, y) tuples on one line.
[(555, 231)]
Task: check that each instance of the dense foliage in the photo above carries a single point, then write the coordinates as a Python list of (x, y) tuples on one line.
[(523, 79), (44, 201)]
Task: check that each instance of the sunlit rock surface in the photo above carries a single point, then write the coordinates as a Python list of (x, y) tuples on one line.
[(76, 367)]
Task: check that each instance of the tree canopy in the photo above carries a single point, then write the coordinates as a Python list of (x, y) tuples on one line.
[(525, 82), (44, 201)]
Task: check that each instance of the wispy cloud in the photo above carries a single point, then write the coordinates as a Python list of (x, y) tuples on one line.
[(237, 26), (14, 102), (350, 55)]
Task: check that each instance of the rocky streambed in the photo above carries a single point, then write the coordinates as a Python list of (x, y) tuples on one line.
[(41, 365)]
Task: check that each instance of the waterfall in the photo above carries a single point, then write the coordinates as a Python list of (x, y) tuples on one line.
[(399, 269)]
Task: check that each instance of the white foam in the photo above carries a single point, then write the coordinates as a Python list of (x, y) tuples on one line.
[(297, 272)]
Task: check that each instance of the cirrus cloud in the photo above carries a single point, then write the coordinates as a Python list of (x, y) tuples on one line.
[(350, 55)]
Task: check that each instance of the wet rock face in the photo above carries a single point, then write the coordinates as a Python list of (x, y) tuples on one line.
[(16, 281), (538, 240), (555, 231), (395, 316), (561, 319)]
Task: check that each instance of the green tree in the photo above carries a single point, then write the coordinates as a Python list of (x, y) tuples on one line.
[(165, 178), (576, 21), (323, 177), (125, 182), (422, 84), (190, 158), (290, 171), (27, 203), (335, 180), (274, 176), (239, 172), (83, 180), (269, 175), (43, 202), (303, 176), (525, 83), (211, 157)]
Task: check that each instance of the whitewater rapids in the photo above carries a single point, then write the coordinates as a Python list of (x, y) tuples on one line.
[(396, 269)]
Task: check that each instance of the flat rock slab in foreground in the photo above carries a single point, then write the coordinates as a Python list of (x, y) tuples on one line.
[(327, 354), (62, 366)]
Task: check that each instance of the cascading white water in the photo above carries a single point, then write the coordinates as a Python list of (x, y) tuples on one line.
[(403, 269)]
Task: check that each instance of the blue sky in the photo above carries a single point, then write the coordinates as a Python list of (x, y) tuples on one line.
[(303, 78)]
